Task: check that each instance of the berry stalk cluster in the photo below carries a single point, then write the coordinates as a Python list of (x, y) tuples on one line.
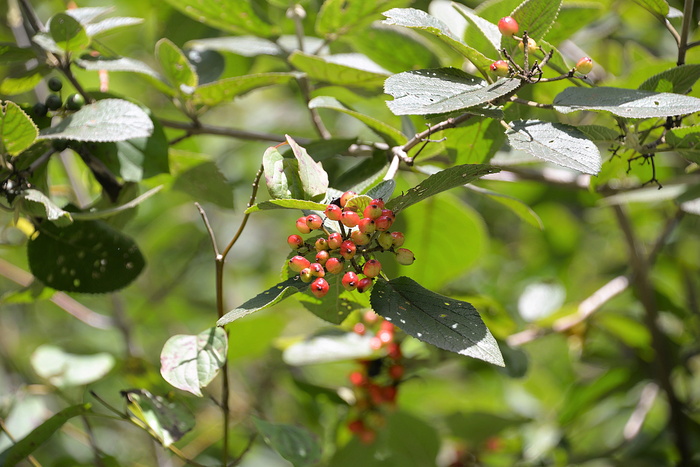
[(354, 228)]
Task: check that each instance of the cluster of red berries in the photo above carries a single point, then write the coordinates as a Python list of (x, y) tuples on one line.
[(353, 230), (376, 383), (509, 27)]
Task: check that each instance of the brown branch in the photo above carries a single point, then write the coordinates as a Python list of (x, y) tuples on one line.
[(204, 129)]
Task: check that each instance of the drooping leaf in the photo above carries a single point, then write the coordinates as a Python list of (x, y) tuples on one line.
[(169, 420), (85, 257), (30, 443), (329, 346), (353, 70), (314, 180), (89, 15), (678, 80), (271, 296), (205, 183), (237, 16), (417, 19), (176, 68), (444, 180), (105, 120), (225, 90), (37, 204), (556, 143), (447, 323), (293, 443), (67, 33), (340, 17), (17, 131), (628, 103), (519, 208), (657, 7), (247, 46), (389, 134), (383, 190), (191, 362), (295, 204), (64, 369), (442, 90)]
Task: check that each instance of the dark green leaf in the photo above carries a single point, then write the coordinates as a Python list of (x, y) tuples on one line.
[(686, 141), (105, 120), (293, 443), (10, 54), (205, 183), (208, 64), (383, 190), (17, 131), (442, 90), (176, 68), (628, 103), (271, 296), (339, 17), (286, 204), (191, 362), (447, 323), (225, 90), (353, 70), (63, 369), (85, 257), (572, 17), (678, 80), (477, 427), (439, 182), (237, 16), (556, 143), (67, 33), (169, 420), (30, 443)]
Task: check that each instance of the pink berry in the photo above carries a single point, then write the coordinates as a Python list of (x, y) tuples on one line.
[(359, 329), (500, 68), (350, 281), (334, 265), (372, 211), (508, 26), (335, 240), (345, 197), (357, 378), (397, 239), (319, 287), (370, 317), (367, 225), (372, 268), (349, 218), (302, 226), (314, 221), (360, 238), (364, 285), (383, 223), (297, 263), (322, 257), (584, 66), (295, 242), (321, 244), (317, 270), (348, 249), (405, 256), (333, 212)]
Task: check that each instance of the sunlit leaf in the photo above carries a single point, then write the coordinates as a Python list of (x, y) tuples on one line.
[(64, 369), (67, 32), (269, 297), (17, 131)]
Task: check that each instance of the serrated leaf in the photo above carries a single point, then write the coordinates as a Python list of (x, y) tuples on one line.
[(169, 420), (600, 133), (88, 15), (176, 68), (446, 323), (293, 443), (389, 134), (346, 70), (444, 180), (105, 120), (85, 257), (38, 204), (247, 46), (237, 16), (417, 19), (101, 27), (628, 103), (191, 362), (339, 17), (329, 346), (67, 33), (271, 296), (19, 451), (475, 141), (333, 307), (383, 190), (678, 80), (535, 17), (226, 89), (286, 204), (573, 17), (657, 7), (205, 183), (131, 65), (314, 180), (685, 140), (17, 131), (442, 90), (63, 369), (486, 31), (557, 143)]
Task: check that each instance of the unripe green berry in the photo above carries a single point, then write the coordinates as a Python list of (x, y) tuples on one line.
[(584, 65), (297, 263), (405, 256), (334, 265), (372, 211), (508, 26), (335, 240), (350, 281), (372, 268), (319, 287), (367, 225), (531, 45), (500, 68), (345, 197), (306, 275), (397, 238), (348, 249), (364, 284), (295, 241), (360, 238), (53, 102), (349, 218), (302, 226), (322, 257), (317, 270), (385, 240), (55, 84), (75, 102), (333, 212), (314, 221), (321, 244)]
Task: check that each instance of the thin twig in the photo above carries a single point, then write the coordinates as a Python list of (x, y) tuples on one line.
[(518, 100), (210, 231), (204, 129), (32, 460), (685, 31)]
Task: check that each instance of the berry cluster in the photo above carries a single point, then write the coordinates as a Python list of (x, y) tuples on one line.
[(376, 383), (54, 102), (354, 229)]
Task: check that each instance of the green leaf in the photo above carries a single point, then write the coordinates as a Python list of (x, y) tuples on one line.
[(24, 81), (110, 24), (446, 323), (333, 307), (442, 90), (89, 14), (85, 257), (237, 16), (557, 143), (600, 133), (271, 296), (176, 68), (389, 134), (519, 208), (17, 131), (340, 17), (686, 141), (205, 183), (30, 443), (169, 420), (104, 213), (657, 7), (475, 141), (444, 180), (36, 203), (63, 369), (90, 63), (352, 70), (678, 80), (478, 427), (573, 17), (68, 34), (383, 190), (105, 120), (191, 362), (286, 204), (535, 17), (314, 180), (11, 54), (293, 443), (628, 103), (483, 34), (329, 346), (276, 167), (225, 90), (417, 19), (247, 46)]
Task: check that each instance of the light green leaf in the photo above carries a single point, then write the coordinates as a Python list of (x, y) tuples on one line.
[(176, 68), (104, 213), (22, 82), (678, 80), (191, 362), (686, 141), (340, 17), (572, 17), (89, 14), (314, 180), (67, 33), (17, 131), (296, 204), (353, 70), (38, 204), (247, 46), (110, 24), (481, 31), (275, 168), (293, 443), (169, 420), (333, 307), (63, 369), (205, 183), (657, 7), (233, 16), (225, 90)]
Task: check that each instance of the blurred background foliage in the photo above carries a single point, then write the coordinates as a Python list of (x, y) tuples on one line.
[(585, 396)]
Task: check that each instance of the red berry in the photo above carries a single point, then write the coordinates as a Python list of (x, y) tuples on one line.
[(314, 221), (297, 263), (393, 350), (295, 241), (364, 285), (500, 68), (349, 218), (367, 436), (360, 238), (508, 26), (397, 239), (385, 336), (333, 212), (375, 343), (321, 244), (306, 275), (385, 240), (317, 269), (359, 328), (348, 249), (357, 378), (372, 268), (405, 256), (396, 372), (584, 66), (372, 211), (356, 426), (335, 240), (302, 226), (345, 197), (322, 257), (370, 317), (334, 265), (319, 287), (389, 213), (383, 223), (379, 202), (389, 394), (367, 225), (387, 326), (350, 281)]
